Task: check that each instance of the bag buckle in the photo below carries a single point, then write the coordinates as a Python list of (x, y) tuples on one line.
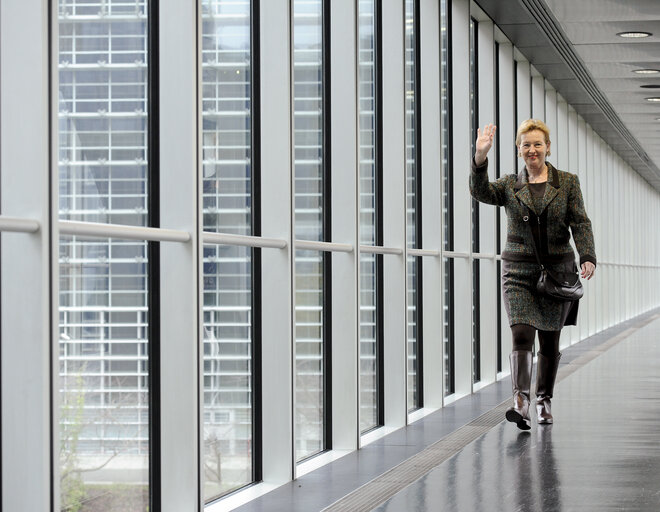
[(526, 218)]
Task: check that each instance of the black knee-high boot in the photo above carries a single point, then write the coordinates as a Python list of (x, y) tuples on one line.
[(546, 373), (521, 377)]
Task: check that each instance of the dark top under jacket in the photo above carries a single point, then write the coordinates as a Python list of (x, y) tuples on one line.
[(560, 208)]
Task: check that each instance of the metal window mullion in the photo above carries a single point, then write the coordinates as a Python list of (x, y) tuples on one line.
[(489, 277), (394, 213), (344, 205), (256, 292), (28, 451), (431, 232), (179, 341), (461, 146), (380, 289), (327, 220), (277, 221)]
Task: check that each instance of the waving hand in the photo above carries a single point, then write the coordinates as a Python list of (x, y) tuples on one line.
[(484, 143)]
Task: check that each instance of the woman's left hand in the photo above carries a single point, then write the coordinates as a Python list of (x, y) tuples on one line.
[(588, 270)]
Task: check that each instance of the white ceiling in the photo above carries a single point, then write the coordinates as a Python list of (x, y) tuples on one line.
[(592, 27), (574, 44)]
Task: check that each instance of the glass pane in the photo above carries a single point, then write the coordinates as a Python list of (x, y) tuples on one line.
[(103, 368), (368, 217), (447, 181), (309, 206), (102, 146), (309, 354), (102, 175), (474, 119), (228, 365), (369, 367), (414, 345), (476, 329), (448, 325), (412, 204), (227, 207), (447, 211)]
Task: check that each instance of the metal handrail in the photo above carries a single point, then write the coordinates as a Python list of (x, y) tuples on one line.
[(18, 225), (454, 254), (423, 252), (243, 240), (322, 246), (378, 249), (483, 256), (99, 230)]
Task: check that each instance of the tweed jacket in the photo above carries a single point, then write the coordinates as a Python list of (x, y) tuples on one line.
[(562, 208)]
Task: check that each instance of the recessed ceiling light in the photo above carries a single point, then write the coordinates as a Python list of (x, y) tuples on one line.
[(655, 99), (634, 34), (647, 71)]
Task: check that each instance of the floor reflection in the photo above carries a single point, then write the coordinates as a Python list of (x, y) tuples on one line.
[(602, 453)]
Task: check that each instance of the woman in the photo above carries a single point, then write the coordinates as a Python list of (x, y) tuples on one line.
[(553, 200)]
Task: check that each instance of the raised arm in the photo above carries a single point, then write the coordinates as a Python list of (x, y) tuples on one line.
[(480, 188)]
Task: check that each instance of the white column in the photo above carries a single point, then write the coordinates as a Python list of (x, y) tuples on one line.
[(27, 370), (488, 276), (588, 190), (345, 305), (560, 138), (276, 300), (523, 89), (431, 202), (394, 213), (551, 117), (179, 339), (571, 334), (460, 33), (538, 95), (598, 176), (508, 161)]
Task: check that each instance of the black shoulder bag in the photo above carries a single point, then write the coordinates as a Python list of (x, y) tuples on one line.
[(559, 286)]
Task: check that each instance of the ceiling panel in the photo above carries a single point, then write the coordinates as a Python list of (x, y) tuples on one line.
[(624, 52), (606, 32), (603, 10), (620, 69)]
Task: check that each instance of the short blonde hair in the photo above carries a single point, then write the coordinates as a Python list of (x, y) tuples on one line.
[(532, 124)]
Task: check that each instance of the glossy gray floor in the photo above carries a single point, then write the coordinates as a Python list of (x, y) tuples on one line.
[(603, 453)]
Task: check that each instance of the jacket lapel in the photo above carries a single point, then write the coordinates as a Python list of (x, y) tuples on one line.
[(551, 189), (525, 196), (521, 189)]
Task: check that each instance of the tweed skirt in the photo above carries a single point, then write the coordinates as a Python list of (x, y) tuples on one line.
[(525, 306)]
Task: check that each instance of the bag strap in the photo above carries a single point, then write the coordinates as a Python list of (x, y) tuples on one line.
[(531, 232)]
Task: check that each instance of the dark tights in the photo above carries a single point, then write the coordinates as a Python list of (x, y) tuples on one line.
[(523, 339)]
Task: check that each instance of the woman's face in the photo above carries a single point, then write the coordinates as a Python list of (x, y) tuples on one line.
[(533, 148)]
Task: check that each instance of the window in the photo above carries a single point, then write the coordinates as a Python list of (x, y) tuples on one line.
[(371, 267), (413, 205), (103, 176), (448, 209), (312, 222), (498, 232), (474, 120), (230, 309)]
